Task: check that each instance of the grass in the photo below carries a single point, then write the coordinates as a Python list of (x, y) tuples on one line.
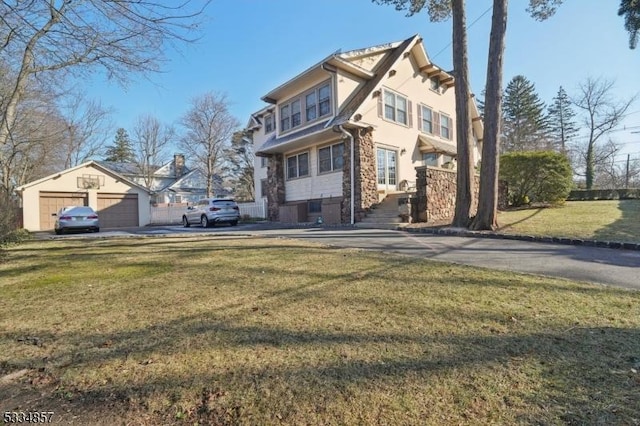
[(597, 220), (271, 331)]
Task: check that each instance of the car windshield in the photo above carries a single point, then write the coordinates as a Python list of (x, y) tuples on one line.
[(224, 203)]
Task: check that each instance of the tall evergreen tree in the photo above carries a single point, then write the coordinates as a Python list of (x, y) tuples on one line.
[(523, 114), (562, 126), (630, 9), (122, 149)]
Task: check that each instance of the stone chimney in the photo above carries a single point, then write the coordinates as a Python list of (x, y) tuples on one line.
[(178, 165)]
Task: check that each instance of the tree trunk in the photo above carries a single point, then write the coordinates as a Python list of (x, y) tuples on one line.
[(486, 218), (464, 191), (591, 164)]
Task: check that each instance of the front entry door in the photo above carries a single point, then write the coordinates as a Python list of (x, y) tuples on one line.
[(387, 169)]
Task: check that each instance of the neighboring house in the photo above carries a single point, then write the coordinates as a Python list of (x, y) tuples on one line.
[(172, 182), (118, 201), (388, 109)]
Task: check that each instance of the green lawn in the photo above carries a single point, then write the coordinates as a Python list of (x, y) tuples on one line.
[(272, 331), (598, 220)]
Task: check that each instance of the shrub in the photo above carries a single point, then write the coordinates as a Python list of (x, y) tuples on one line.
[(8, 217), (536, 177)]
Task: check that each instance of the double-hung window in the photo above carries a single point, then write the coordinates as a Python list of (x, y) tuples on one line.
[(426, 119), (324, 100), (310, 106), (296, 115), (445, 126), (285, 118), (395, 107), (330, 158), (298, 165), (269, 123)]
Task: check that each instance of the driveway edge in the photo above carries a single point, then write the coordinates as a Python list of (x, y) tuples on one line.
[(540, 239)]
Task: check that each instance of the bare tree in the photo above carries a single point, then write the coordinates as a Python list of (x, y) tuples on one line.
[(29, 151), (209, 128), (45, 39), (601, 113), (87, 124), (239, 165), (150, 142)]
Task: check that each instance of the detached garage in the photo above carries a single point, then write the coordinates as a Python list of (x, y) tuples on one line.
[(118, 201)]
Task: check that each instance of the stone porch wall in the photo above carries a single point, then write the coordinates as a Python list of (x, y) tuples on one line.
[(366, 187), (436, 194)]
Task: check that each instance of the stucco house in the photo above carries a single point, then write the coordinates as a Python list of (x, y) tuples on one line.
[(385, 109), (118, 201)]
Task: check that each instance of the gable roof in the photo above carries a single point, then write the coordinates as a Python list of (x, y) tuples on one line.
[(91, 163)]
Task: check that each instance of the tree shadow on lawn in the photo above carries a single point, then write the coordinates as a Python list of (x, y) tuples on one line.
[(585, 373), (626, 228)]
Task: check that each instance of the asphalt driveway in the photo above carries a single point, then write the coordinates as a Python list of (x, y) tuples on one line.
[(598, 265)]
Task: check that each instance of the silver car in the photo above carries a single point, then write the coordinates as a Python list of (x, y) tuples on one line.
[(79, 218), (209, 211)]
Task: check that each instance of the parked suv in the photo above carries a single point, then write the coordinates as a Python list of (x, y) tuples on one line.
[(209, 211)]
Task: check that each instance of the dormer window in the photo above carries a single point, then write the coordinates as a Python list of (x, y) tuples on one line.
[(435, 84)]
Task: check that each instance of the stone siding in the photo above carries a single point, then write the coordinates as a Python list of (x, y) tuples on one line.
[(366, 187), (436, 194), (275, 186)]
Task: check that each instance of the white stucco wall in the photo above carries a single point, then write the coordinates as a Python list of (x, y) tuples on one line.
[(409, 82), (66, 181)]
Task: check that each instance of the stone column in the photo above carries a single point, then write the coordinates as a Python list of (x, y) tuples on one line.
[(366, 188), (275, 186), (420, 199)]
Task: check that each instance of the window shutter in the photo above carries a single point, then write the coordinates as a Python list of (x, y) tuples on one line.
[(410, 109), (436, 123), (419, 117), (380, 94)]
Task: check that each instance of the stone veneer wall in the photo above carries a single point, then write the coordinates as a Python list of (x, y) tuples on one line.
[(436, 194), (366, 187), (275, 186)]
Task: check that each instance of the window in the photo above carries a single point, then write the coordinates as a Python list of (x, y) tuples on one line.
[(263, 188), (296, 117), (330, 158), (435, 84), (426, 119), (311, 107), (298, 165), (445, 126), (395, 107), (269, 123), (264, 162), (430, 159), (314, 206), (324, 97), (285, 118)]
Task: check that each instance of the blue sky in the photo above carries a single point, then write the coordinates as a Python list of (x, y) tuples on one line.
[(251, 46)]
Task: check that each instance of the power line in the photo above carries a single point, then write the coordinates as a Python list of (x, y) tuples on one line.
[(468, 27)]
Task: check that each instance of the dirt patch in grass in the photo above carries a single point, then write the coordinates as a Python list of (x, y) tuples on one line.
[(272, 331)]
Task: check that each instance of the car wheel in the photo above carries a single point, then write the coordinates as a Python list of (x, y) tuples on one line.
[(58, 231), (204, 221), (234, 223), (97, 229), (185, 222)]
